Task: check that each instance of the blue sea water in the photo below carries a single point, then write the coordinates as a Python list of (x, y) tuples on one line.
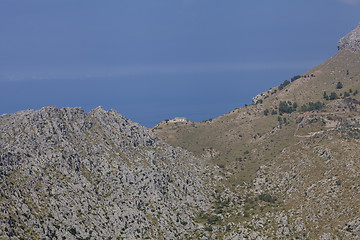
[(146, 99)]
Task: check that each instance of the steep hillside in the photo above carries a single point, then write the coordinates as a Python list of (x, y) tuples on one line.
[(240, 141), (311, 190), (291, 159), (67, 174)]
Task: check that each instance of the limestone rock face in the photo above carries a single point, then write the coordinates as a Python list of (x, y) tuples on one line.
[(67, 174), (351, 41)]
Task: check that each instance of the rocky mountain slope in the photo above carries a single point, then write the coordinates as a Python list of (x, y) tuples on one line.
[(67, 174)]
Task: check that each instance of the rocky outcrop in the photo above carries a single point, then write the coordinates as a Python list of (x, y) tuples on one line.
[(67, 174), (351, 41)]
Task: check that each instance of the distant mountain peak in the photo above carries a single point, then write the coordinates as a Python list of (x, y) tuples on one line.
[(351, 41), (99, 109)]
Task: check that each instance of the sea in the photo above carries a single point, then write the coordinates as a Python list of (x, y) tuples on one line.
[(146, 99)]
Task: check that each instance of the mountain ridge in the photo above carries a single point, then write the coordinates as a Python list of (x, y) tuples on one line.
[(93, 175), (351, 41)]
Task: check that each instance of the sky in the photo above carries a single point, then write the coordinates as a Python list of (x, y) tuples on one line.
[(160, 59)]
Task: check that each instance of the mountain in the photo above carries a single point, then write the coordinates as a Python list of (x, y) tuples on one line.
[(242, 134), (67, 174), (285, 167), (351, 41), (292, 154)]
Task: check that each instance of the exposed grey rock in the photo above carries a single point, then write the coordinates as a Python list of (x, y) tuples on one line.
[(69, 174), (351, 41)]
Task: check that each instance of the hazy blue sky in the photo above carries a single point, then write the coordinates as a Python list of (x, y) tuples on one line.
[(157, 59)]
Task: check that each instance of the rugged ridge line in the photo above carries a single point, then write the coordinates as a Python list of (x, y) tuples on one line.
[(351, 41), (69, 174)]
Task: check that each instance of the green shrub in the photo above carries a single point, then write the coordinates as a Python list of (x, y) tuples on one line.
[(221, 165), (259, 101), (339, 85), (285, 108), (267, 198), (72, 231), (333, 96), (213, 219), (295, 77), (208, 229), (325, 96), (312, 106), (284, 84)]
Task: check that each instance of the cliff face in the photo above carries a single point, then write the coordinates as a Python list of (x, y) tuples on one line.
[(69, 174), (351, 41)]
